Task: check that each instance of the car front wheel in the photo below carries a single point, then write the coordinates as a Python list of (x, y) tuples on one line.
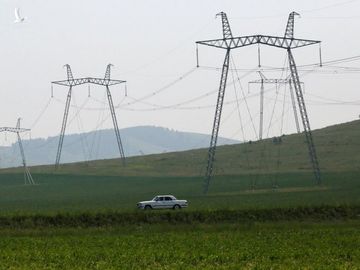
[(176, 207), (148, 207)]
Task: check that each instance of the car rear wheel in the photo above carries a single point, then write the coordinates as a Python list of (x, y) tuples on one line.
[(176, 207), (148, 207)]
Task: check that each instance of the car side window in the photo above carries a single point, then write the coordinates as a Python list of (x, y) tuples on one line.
[(168, 199), (161, 198)]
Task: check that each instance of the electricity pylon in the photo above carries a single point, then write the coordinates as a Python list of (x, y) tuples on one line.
[(27, 175), (262, 81), (287, 42), (71, 82)]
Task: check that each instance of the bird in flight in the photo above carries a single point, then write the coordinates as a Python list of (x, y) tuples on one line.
[(18, 18)]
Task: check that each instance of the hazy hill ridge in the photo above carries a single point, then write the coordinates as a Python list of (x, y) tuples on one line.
[(141, 140)]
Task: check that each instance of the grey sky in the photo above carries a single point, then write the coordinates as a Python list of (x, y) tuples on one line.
[(152, 43)]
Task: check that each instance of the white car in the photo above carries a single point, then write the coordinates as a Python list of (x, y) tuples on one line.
[(163, 202)]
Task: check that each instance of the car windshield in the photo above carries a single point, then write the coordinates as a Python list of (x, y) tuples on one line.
[(158, 198)]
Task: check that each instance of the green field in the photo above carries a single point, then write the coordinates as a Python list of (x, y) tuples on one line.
[(282, 245), (76, 193), (260, 176)]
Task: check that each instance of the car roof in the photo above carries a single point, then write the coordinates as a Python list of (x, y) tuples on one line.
[(164, 196)]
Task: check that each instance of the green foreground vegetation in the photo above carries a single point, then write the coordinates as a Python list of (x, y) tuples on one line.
[(284, 245)]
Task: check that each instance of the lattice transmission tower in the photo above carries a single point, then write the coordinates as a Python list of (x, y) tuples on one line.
[(28, 180), (287, 42), (262, 81), (71, 83)]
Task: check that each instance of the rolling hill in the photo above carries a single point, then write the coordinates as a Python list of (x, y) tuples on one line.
[(337, 148), (101, 144)]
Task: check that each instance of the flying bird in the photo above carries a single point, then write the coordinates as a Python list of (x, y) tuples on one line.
[(18, 18)]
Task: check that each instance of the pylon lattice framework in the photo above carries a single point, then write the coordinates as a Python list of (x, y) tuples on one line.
[(262, 81), (27, 175), (71, 82), (288, 42)]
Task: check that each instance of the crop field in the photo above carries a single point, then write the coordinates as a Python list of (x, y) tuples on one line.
[(285, 245)]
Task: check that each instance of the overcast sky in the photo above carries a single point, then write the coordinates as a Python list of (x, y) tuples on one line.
[(152, 45)]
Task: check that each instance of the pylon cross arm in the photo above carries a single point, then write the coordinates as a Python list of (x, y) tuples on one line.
[(238, 42), (80, 81), (15, 130), (271, 81)]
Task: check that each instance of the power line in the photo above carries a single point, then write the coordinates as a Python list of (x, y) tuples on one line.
[(167, 86), (301, 11), (180, 44), (329, 6), (42, 112)]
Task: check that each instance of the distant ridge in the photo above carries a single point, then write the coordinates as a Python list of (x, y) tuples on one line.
[(101, 144)]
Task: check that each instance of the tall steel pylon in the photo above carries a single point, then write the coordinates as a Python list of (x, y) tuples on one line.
[(227, 35), (288, 42), (262, 81), (71, 82), (28, 180)]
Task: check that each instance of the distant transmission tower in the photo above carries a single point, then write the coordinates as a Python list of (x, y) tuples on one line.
[(262, 81), (27, 175), (71, 82), (288, 42)]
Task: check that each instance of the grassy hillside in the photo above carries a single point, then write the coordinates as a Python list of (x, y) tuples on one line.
[(337, 146)]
